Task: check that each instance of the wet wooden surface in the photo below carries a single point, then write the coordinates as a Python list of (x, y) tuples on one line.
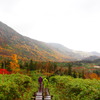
[(42, 94)]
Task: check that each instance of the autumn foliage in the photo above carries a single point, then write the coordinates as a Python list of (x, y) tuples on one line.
[(14, 66), (92, 76), (4, 71)]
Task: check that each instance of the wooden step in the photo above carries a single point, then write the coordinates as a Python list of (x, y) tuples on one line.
[(47, 97), (39, 93), (42, 94), (38, 98)]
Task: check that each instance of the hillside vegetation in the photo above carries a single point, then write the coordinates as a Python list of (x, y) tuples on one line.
[(14, 87), (11, 42), (68, 88), (67, 81)]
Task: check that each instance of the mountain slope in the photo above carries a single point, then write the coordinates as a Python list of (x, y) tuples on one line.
[(95, 53), (12, 42), (91, 58), (26, 48), (68, 52)]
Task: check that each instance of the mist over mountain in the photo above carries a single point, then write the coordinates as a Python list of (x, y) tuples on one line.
[(78, 55), (91, 58), (95, 53), (11, 42)]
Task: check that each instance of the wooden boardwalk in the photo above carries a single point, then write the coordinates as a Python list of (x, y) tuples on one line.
[(42, 94)]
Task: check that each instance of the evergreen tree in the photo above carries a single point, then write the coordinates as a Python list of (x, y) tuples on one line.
[(69, 69), (26, 65), (55, 67), (31, 65), (74, 74)]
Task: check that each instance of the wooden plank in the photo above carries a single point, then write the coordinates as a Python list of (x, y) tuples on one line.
[(42, 94), (39, 94), (47, 98), (39, 98)]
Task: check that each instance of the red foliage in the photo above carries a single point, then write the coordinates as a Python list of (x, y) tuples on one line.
[(4, 71)]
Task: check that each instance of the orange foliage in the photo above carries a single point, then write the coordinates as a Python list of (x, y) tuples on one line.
[(92, 76), (14, 66)]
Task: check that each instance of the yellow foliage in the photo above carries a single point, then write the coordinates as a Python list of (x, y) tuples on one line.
[(14, 66)]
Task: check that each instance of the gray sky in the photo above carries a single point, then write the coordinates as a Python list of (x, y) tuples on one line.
[(73, 23)]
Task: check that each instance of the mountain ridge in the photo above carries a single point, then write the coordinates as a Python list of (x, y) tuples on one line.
[(11, 42)]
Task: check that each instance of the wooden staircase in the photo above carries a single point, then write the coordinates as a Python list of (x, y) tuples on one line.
[(42, 94)]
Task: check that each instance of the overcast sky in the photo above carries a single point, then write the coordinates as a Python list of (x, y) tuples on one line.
[(73, 23)]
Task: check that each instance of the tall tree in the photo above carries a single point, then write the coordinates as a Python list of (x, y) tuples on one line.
[(31, 65), (14, 66), (69, 69)]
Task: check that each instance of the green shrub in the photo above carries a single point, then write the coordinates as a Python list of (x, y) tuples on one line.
[(14, 86), (68, 88)]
